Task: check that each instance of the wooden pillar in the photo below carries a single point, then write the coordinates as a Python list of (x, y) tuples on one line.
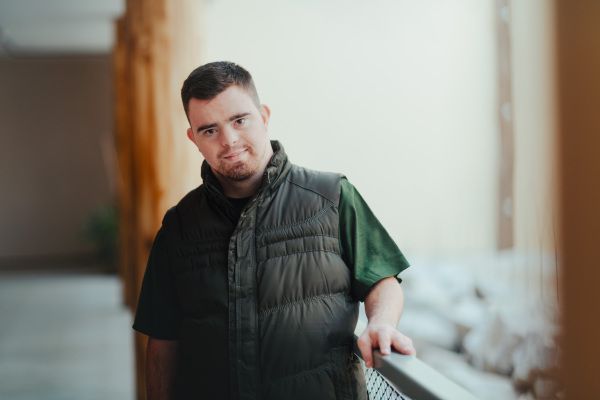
[(578, 89), (158, 45)]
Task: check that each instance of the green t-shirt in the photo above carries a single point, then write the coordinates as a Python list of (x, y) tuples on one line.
[(365, 245), (366, 248)]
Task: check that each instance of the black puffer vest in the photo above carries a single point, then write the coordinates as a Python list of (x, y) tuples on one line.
[(266, 298)]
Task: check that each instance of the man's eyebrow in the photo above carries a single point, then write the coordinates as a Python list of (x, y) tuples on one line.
[(203, 127), (238, 116)]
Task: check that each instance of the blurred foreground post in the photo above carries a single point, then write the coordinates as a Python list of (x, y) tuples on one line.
[(158, 45), (578, 85)]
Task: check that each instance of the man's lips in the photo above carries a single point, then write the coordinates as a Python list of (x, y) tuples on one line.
[(234, 155)]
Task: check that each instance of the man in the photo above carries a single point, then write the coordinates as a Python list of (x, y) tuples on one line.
[(253, 282)]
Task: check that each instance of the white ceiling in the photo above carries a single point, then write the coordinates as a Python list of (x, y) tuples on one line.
[(30, 28)]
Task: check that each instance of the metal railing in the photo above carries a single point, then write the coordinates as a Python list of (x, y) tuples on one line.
[(399, 376)]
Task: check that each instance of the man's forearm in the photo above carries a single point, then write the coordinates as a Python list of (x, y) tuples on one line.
[(161, 365), (385, 302)]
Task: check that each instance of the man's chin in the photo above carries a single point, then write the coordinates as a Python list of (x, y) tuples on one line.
[(239, 178), (238, 174)]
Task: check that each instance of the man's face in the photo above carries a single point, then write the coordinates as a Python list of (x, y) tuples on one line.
[(231, 134)]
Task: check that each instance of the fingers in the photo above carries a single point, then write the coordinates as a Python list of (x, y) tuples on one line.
[(384, 343), (384, 338), (366, 348), (403, 344)]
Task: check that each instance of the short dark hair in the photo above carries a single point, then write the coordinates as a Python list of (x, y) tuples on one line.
[(209, 80)]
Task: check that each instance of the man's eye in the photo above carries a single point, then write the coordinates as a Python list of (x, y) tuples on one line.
[(209, 132), (240, 121)]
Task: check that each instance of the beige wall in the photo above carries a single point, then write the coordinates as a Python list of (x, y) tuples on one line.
[(53, 113)]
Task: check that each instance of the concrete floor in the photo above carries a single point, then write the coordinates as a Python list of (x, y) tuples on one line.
[(64, 336)]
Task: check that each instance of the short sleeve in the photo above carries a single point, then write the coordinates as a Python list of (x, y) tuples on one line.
[(366, 246), (159, 313)]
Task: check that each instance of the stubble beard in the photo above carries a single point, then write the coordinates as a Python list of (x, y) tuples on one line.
[(241, 170)]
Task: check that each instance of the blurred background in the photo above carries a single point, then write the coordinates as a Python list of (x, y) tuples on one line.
[(467, 125)]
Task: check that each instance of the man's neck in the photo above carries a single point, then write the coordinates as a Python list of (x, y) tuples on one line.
[(240, 189)]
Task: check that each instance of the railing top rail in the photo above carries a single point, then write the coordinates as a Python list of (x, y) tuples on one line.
[(413, 377)]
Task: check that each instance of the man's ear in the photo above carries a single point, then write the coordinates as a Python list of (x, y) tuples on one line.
[(265, 112), (190, 135)]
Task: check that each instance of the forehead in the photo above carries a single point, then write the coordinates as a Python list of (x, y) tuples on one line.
[(232, 101)]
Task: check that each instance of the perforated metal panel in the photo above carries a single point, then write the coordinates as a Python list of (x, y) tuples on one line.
[(378, 388)]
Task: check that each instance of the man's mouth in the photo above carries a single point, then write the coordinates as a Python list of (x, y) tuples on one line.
[(234, 155)]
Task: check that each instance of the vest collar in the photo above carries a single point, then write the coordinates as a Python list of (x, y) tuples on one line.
[(277, 169)]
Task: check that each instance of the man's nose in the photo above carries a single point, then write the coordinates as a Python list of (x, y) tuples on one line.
[(229, 137)]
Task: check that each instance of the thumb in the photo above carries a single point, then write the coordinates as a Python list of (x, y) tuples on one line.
[(366, 349)]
